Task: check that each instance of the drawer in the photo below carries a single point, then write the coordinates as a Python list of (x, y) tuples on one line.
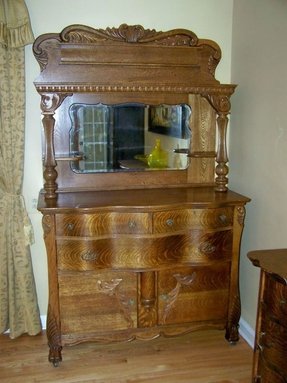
[(149, 251), (177, 220), (118, 252), (87, 225), (272, 344), (199, 246), (275, 299)]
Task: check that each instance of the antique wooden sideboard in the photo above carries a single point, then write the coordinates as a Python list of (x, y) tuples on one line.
[(141, 231), (270, 351)]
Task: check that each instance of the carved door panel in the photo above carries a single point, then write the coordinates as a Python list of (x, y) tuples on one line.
[(97, 301), (193, 294)]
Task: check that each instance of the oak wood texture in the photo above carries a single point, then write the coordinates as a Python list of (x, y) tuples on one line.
[(199, 357), (132, 64), (270, 351), (136, 255), (137, 264)]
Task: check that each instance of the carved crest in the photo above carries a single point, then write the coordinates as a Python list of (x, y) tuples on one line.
[(82, 34), (129, 34)]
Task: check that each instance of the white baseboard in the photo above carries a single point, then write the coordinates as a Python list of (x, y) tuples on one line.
[(43, 321), (247, 332)]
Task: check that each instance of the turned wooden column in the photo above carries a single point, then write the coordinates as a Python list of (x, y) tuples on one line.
[(49, 103), (147, 300), (221, 104)]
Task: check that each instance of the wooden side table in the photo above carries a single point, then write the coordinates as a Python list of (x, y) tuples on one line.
[(270, 350)]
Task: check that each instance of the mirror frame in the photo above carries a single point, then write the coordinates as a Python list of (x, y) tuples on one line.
[(132, 64)]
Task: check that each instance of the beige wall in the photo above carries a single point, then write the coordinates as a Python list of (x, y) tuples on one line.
[(258, 135), (207, 18)]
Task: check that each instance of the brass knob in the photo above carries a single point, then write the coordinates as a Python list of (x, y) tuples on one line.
[(89, 256), (223, 218), (132, 224), (169, 222)]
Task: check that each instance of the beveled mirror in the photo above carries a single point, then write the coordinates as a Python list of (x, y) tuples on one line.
[(129, 136)]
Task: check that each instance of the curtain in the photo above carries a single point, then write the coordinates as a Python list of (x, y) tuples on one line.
[(19, 310)]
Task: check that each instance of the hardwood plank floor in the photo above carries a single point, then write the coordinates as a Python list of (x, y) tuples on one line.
[(198, 357)]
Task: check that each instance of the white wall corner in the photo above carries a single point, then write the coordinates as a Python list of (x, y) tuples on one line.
[(247, 332), (43, 321)]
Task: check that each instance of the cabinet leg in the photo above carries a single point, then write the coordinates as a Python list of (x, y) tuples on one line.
[(54, 338), (55, 356), (232, 334)]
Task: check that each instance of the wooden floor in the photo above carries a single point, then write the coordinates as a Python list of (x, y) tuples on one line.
[(199, 357)]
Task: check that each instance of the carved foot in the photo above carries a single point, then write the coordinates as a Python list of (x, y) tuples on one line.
[(55, 356), (231, 334)]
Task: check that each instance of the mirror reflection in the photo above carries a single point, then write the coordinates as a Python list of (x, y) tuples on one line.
[(129, 137)]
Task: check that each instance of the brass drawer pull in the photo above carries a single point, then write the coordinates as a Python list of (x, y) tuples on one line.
[(222, 218), (89, 256), (132, 224), (207, 248), (70, 226), (170, 222)]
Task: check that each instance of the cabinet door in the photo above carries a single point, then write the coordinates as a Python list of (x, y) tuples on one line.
[(268, 375), (193, 294), (97, 301)]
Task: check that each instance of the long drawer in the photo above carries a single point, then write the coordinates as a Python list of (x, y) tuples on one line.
[(150, 251)]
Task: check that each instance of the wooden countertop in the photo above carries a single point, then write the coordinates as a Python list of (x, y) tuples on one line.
[(273, 261), (140, 199)]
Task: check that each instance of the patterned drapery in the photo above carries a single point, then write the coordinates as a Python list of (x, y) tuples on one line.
[(19, 310)]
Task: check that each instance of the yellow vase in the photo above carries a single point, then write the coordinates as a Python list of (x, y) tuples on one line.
[(158, 157)]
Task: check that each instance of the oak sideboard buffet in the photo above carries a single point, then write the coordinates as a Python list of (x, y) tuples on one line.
[(141, 232)]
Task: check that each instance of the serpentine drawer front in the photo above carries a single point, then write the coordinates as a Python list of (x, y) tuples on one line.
[(126, 240)]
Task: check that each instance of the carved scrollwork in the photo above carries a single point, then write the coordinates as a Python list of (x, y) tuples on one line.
[(42, 58), (172, 296), (111, 288), (240, 214), (41, 47), (220, 103), (129, 34), (47, 224), (51, 101)]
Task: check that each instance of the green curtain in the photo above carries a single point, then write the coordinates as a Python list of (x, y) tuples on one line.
[(19, 310)]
